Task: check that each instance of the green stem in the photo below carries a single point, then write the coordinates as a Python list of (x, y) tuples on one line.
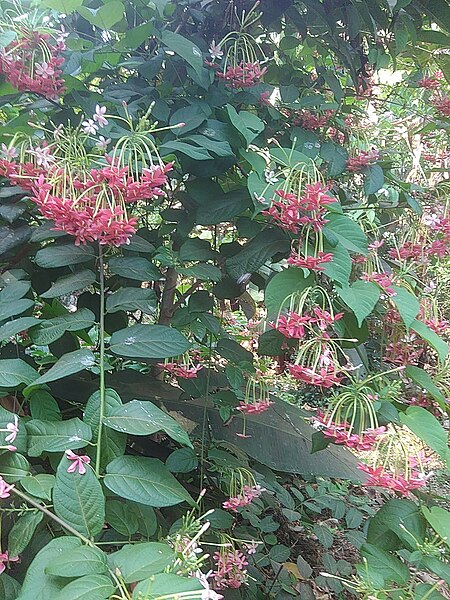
[(52, 516), (101, 334)]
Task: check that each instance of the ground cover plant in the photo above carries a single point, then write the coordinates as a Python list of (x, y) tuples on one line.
[(224, 252)]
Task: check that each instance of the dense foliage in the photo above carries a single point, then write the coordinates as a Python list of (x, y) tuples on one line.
[(224, 249)]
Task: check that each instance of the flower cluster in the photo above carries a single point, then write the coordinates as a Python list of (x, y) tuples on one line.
[(249, 493), (242, 75), (306, 210), (384, 280), (324, 376), (32, 64), (341, 433), (5, 558), (362, 160), (230, 569), (5, 488), (431, 83), (78, 462), (184, 371), (313, 263), (403, 484), (310, 121), (255, 407), (292, 325)]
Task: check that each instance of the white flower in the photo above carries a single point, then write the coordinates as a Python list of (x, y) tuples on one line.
[(89, 127), (44, 70), (9, 153), (102, 143), (270, 177), (62, 35), (207, 593), (100, 116), (14, 429), (44, 158), (431, 220), (430, 287), (215, 51)]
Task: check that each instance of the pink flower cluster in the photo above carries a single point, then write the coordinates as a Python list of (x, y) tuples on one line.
[(255, 407), (292, 325), (5, 488), (406, 251), (340, 433), (78, 462), (294, 211), (313, 263), (243, 75), (325, 376), (442, 105), (249, 493), (362, 160), (179, 370), (310, 121), (29, 69), (230, 569), (379, 477), (384, 280), (431, 83), (5, 558)]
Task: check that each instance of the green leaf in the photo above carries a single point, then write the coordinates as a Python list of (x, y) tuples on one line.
[(144, 480), (340, 267), (248, 125), (121, 518), (57, 436), (22, 532), (89, 587), (256, 252), (324, 535), (8, 309), (84, 560), (70, 283), (50, 330), (165, 584), (138, 561), (222, 207), (63, 6), (197, 249), (341, 229), (422, 378), (144, 418), (39, 486), (373, 179), (439, 520), (427, 428), (361, 297), (6, 37), (231, 350), (148, 341), (43, 406), (104, 17), (37, 584), (56, 255), (386, 527), (438, 11), (134, 267), (132, 299), (336, 156), (385, 565), (281, 286), (148, 523), (15, 372), (9, 587), (113, 442), (78, 499), (133, 38), (68, 364), (183, 460), (431, 337), (13, 467), (188, 51), (12, 328), (202, 272), (407, 305)]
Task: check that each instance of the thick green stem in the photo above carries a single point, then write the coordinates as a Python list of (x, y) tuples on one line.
[(101, 336), (52, 516)]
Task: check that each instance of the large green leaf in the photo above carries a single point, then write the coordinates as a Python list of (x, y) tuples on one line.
[(121, 518), (138, 561), (385, 565), (50, 330), (361, 297), (144, 480), (12, 328), (134, 267), (439, 520), (37, 584), (43, 406), (281, 286), (340, 268), (407, 304), (15, 372), (373, 179), (202, 271), (89, 587), (336, 156), (438, 11), (13, 467), (57, 436), (164, 584), (148, 341), (431, 337), (9, 587), (222, 207), (246, 123), (387, 527), (78, 499), (39, 486), (57, 255), (184, 48), (422, 378), (64, 6), (105, 16), (70, 283), (256, 252), (84, 560), (132, 299), (427, 428), (22, 532), (69, 363), (344, 230), (234, 352), (144, 418)]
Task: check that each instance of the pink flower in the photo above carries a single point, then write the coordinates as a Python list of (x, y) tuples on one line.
[(44, 70), (431, 83), (230, 569), (324, 319), (442, 106), (314, 263), (254, 408), (362, 160), (402, 484), (99, 116), (309, 121), (249, 493), (78, 462), (264, 99), (5, 558), (5, 488), (323, 377), (14, 429), (292, 325), (180, 370), (89, 127), (383, 280), (243, 75)]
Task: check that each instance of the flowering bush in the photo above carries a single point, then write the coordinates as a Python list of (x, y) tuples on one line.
[(192, 219)]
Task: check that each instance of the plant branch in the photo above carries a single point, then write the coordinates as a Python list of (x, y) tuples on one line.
[(101, 334)]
